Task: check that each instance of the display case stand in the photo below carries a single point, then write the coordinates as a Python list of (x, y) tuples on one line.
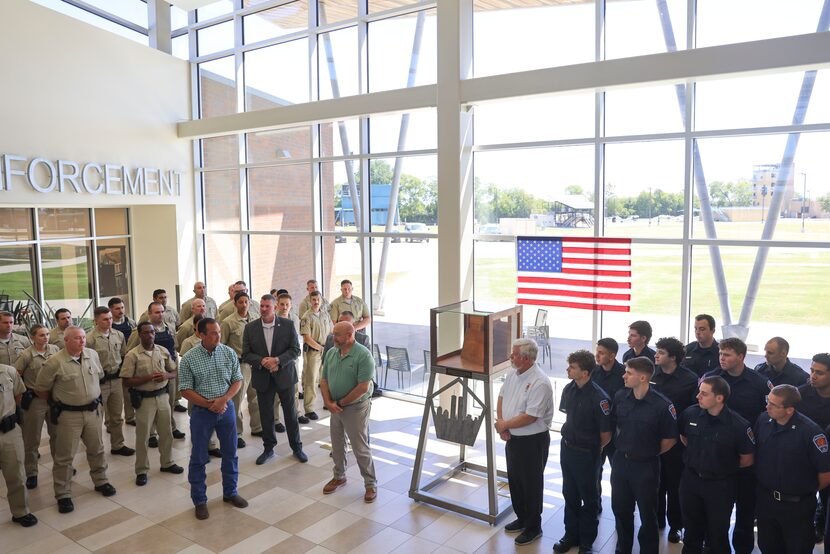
[(428, 490)]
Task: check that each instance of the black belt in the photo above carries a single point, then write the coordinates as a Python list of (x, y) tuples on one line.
[(110, 377), (151, 393), (707, 476), (572, 446), (637, 458), (781, 497), (8, 422), (91, 407)]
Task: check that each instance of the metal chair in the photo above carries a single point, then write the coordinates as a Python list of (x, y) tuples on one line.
[(378, 361), (397, 359), (541, 318), (539, 334)]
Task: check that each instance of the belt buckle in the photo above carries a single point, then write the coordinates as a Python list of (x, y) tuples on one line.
[(776, 495)]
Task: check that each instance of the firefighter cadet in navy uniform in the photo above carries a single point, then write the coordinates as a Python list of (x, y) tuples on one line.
[(11, 344), (815, 404), (639, 333), (778, 368), (70, 381), (678, 384), (147, 370), (702, 354), (748, 392), (586, 431), (646, 426), (111, 347), (718, 442), (11, 446), (791, 463), (608, 374), (35, 409)]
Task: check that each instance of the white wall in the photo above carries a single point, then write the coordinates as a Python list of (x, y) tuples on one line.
[(74, 92)]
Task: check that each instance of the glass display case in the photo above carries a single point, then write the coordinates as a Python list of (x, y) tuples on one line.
[(474, 337)]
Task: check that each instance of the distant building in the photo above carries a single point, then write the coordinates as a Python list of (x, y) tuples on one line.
[(378, 203), (764, 178)]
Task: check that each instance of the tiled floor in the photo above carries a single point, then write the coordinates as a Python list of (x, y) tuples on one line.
[(288, 512)]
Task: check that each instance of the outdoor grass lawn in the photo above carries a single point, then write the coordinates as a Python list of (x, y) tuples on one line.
[(59, 282)]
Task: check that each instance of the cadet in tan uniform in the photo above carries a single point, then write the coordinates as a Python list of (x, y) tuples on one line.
[(11, 344), (315, 326), (305, 304), (11, 446), (347, 302), (187, 328), (232, 328), (64, 319), (70, 381), (147, 369), (171, 316), (284, 310), (224, 304), (229, 308), (35, 409), (200, 292), (111, 347)]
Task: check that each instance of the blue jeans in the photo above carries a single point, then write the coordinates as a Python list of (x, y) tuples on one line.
[(202, 423)]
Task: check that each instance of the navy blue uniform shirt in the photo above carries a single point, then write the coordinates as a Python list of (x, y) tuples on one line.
[(791, 374), (610, 381), (647, 352), (814, 406), (588, 410), (715, 443), (789, 457), (702, 360), (680, 386), (642, 424), (748, 394)]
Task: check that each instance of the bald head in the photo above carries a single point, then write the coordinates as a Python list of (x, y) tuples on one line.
[(75, 340), (343, 332), (198, 306), (199, 289)]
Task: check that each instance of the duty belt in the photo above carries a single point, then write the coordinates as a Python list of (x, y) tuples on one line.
[(782, 497), (8, 422), (707, 476), (151, 393), (91, 407), (572, 446), (110, 377)]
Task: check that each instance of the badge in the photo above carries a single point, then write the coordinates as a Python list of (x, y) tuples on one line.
[(821, 443), (605, 406), (750, 434), (673, 412)]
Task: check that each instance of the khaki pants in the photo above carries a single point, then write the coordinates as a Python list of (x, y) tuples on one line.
[(171, 395), (129, 412), (253, 406), (112, 394), (313, 360), (33, 419), (72, 428), (11, 464), (154, 412), (354, 422)]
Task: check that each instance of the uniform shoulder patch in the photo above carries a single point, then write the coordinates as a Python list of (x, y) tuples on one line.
[(821, 443), (769, 384), (605, 406), (750, 434), (673, 411)]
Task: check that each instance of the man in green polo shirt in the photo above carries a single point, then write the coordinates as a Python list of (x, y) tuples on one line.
[(347, 393)]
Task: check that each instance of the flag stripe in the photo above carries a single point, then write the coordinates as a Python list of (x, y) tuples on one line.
[(577, 293), (596, 261), (598, 272), (593, 250), (578, 282), (563, 304)]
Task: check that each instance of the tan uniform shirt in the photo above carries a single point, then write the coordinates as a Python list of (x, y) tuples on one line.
[(185, 331), (171, 317), (139, 363), (56, 337), (111, 349), (11, 349), (355, 304), (189, 343), (305, 305), (72, 382), (187, 312), (318, 325), (11, 385), (30, 362), (230, 309), (232, 328), (135, 340)]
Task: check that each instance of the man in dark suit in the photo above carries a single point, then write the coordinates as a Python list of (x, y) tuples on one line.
[(273, 372)]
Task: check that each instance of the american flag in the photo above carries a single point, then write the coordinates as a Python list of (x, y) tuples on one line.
[(575, 272)]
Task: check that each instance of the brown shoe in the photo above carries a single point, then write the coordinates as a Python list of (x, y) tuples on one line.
[(333, 485), (371, 495), (237, 501), (202, 511)]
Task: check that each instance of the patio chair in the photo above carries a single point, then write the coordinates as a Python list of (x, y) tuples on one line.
[(541, 318), (378, 362), (397, 359), (539, 334)]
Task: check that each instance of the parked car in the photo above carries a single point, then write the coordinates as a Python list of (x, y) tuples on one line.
[(416, 228), (489, 229)]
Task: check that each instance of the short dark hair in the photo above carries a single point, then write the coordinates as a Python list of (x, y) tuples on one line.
[(153, 303), (641, 364), (60, 311), (283, 295), (733, 343), (643, 328), (311, 281), (823, 359), (719, 386), (788, 394), (100, 310), (673, 347), (159, 291), (143, 324), (280, 292), (274, 292), (202, 326), (609, 344), (344, 282), (583, 359), (197, 318), (113, 301), (346, 313), (782, 343), (270, 297), (709, 319), (240, 294), (241, 282), (4, 313), (315, 293)]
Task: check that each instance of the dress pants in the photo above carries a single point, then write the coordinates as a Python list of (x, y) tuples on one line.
[(203, 422), (354, 422), (707, 507), (33, 419), (266, 414), (526, 459), (112, 395), (635, 482), (11, 464), (579, 487), (72, 428), (154, 412), (785, 527), (743, 536), (606, 454), (668, 496)]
